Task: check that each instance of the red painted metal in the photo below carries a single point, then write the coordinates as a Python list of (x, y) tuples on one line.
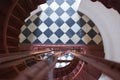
[(55, 47), (110, 68)]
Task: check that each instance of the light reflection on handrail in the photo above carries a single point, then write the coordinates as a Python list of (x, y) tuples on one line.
[(7, 59), (101, 64)]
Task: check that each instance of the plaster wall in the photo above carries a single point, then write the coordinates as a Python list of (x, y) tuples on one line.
[(108, 23)]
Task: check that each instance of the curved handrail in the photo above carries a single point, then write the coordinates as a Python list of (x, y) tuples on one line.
[(7, 17), (21, 55), (6, 23), (110, 68)]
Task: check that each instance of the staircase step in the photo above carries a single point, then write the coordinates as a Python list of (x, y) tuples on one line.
[(24, 6), (30, 4)]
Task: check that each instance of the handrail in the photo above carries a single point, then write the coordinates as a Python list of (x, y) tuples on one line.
[(6, 23), (110, 68), (42, 71), (8, 59)]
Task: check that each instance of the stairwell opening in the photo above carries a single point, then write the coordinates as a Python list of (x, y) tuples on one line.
[(59, 23)]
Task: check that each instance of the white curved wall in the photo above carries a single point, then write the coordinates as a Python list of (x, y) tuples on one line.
[(108, 23)]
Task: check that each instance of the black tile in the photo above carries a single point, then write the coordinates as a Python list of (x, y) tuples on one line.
[(48, 32), (48, 42), (70, 33), (59, 2), (70, 22), (81, 33), (70, 42), (28, 22), (39, 13), (81, 42), (59, 33), (91, 23), (26, 32), (48, 11), (80, 14), (37, 32), (59, 42), (70, 2), (37, 42), (70, 11), (59, 22), (59, 11), (37, 21), (48, 22), (49, 2), (81, 22), (26, 41), (92, 42), (92, 33)]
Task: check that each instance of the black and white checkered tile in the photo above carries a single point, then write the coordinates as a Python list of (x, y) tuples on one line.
[(60, 23)]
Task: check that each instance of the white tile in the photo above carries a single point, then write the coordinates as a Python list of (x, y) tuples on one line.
[(65, 17), (76, 4), (64, 27), (43, 16), (75, 38), (75, 27), (95, 29), (43, 27), (64, 38), (54, 6), (85, 18), (97, 39), (53, 27), (86, 28), (42, 38), (75, 17), (31, 38), (32, 27), (53, 38), (23, 28), (54, 16), (32, 18), (86, 39), (21, 38), (65, 6)]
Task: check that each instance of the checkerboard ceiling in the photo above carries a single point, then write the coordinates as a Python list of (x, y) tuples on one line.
[(60, 23)]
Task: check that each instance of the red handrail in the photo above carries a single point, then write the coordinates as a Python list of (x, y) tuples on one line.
[(110, 68)]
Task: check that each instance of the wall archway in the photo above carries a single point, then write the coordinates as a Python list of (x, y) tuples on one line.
[(99, 14)]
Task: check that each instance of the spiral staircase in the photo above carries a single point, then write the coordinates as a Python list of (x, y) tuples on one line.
[(12, 16)]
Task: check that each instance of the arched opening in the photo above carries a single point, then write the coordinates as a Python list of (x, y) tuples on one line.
[(62, 26)]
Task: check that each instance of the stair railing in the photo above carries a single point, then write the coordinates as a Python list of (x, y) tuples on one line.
[(110, 68)]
